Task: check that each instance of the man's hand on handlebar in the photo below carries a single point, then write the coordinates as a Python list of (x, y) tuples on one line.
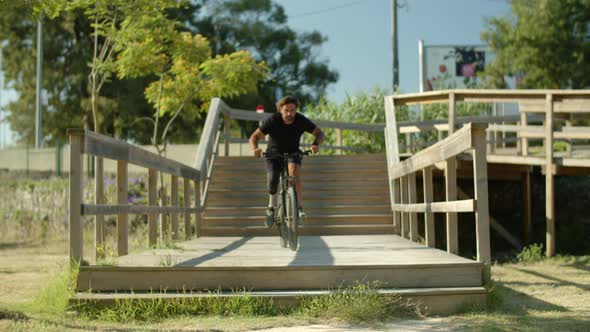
[(258, 153), (315, 148)]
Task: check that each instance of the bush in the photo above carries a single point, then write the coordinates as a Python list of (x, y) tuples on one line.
[(531, 254)]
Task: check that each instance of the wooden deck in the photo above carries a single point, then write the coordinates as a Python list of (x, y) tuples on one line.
[(264, 251), (439, 280)]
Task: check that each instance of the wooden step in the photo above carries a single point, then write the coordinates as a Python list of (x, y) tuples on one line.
[(317, 189), (310, 210), (318, 158), (308, 194), (304, 230), (330, 181), (373, 172), (431, 300), (177, 278), (311, 220), (307, 201)]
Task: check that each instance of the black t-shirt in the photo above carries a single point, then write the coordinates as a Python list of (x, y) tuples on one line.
[(283, 137)]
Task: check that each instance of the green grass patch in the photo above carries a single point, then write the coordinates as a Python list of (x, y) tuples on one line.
[(358, 303), (158, 309), (54, 298)]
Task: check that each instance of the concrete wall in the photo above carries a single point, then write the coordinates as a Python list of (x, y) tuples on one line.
[(46, 159)]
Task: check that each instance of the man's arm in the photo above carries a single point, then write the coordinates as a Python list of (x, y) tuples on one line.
[(319, 139), (256, 136)]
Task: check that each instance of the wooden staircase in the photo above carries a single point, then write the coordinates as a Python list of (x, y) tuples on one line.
[(342, 195)]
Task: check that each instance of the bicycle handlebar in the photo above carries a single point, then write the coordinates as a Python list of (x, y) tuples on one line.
[(288, 154)]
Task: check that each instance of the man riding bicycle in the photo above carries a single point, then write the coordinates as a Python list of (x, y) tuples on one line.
[(285, 129)]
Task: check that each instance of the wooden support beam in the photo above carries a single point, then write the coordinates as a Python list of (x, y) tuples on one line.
[(174, 203), (549, 178), (186, 198), (199, 207), (75, 191), (226, 132), (412, 200), (527, 207), (122, 229), (480, 182), (397, 218), (524, 145), (405, 200), (165, 224), (99, 231), (451, 195), (428, 198), (153, 201)]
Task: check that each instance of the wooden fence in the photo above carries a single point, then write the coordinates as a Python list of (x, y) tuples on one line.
[(402, 180), (546, 115), (87, 142)]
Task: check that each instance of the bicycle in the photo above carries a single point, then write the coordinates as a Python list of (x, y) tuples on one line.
[(287, 211)]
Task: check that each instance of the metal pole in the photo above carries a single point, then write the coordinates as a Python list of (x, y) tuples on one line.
[(421, 72), (38, 135), (2, 116), (394, 45)]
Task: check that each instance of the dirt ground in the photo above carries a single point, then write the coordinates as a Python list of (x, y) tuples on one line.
[(553, 295)]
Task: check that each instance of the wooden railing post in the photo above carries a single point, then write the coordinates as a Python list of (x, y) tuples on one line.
[(186, 198), (412, 200), (397, 218), (153, 201), (99, 245), (75, 192), (405, 200), (524, 145), (122, 234), (198, 207), (451, 186), (226, 132), (428, 198), (480, 181), (165, 225), (549, 179), (174, 203)]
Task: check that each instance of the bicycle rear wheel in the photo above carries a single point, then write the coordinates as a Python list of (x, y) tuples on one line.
[(292, 217)]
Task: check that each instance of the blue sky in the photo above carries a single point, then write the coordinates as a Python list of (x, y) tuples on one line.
[(359, 37)]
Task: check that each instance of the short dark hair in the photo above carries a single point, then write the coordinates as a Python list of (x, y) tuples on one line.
[(287, 100)]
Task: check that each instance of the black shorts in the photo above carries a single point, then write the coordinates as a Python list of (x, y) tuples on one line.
[(273, 171)]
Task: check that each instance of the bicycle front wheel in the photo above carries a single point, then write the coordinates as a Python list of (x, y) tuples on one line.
[(292, 218)]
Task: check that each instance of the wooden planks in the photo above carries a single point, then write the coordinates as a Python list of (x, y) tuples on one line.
[(75, 198)]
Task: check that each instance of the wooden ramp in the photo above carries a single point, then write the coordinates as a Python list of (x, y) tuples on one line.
[(441, 281)]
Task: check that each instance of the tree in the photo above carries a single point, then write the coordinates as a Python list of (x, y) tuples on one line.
[(260, 26), (188, 78), (68, 46), (545, 42)]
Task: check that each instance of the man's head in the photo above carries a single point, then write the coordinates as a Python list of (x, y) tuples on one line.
[(287, 106)]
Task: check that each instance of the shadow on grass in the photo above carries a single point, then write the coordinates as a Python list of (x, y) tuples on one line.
[(19, 245), (556, 281), (519, 311)]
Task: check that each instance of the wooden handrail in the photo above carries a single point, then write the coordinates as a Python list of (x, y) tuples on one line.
[(87, 142), (402, 177), (545, 107)]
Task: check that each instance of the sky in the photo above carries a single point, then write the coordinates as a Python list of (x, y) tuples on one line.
[(359, 43)]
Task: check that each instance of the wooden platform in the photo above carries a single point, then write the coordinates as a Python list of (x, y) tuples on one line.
[(322, 263)]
